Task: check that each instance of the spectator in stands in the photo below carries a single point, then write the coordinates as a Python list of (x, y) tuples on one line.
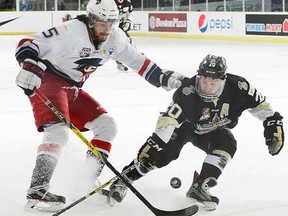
[(61, 5), (25, 5)]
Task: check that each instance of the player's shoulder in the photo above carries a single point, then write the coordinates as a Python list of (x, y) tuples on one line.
[(237, 82), (74, 26), (234, 77), (117, 38), (187, 88), (186, 96)]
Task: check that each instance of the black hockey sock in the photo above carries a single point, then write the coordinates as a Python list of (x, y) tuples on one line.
[(133, 174), (43, 171), (209, 170)]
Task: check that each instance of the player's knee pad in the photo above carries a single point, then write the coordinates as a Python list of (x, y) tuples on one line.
[(55, 134), (104, 127), (218, 158), (151, 152), (135, 170)]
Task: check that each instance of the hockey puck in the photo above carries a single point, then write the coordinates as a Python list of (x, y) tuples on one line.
[(175, 182)]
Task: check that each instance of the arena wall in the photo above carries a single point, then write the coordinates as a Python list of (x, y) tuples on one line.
[(240, 26)]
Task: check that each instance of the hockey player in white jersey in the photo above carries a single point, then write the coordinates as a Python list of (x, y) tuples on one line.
[(58, 61)]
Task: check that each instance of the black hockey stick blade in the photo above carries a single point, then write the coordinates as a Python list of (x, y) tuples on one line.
[(191, 210)]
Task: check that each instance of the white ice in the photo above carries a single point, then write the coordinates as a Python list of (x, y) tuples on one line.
[(253, 184)]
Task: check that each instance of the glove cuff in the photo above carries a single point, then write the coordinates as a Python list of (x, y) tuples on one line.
[(273, 120), (40, 64), (165, 77)]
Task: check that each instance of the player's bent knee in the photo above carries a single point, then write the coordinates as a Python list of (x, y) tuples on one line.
[(56, 134), (152, 153), (104, 127), (218, 158)]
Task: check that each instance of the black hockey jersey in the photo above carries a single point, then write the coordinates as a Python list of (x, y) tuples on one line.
[(238, 95)]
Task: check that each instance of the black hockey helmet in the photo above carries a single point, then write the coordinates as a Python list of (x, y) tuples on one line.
[(211, 77), (213, 66)]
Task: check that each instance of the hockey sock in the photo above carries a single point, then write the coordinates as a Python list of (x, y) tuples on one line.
[(43, 171), (132, 174), (209, 170)]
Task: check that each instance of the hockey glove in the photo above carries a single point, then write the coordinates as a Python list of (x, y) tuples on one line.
[(30, 75), (126, 25), (273, 133), (171, 80)]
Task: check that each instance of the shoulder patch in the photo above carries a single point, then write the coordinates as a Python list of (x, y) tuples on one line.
[(108, 51), (243, 85), (188, 90)]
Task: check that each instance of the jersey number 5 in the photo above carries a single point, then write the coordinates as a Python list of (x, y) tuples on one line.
[(50, 33)]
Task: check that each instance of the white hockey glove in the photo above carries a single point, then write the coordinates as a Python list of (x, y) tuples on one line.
[(126, 25), (273, 133), (171, 80), (29, 77)]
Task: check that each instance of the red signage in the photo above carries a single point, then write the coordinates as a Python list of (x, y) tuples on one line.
[(168, 22)]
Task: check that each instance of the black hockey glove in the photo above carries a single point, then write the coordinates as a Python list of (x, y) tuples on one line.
[(126, 25), (273, 133)]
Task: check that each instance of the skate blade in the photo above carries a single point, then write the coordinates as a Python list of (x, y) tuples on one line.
[(110, 201), (39, 206), (208, 206)]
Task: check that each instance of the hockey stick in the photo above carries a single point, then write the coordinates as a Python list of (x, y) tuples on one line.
[(96, 190), (158, 212)]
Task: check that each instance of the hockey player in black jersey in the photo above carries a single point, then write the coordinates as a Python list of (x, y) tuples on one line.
[(125, 8), (204, 110)]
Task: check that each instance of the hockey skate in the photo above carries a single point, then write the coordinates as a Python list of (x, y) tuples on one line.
[(92, 170), (121, 67), (40, 199), (199, 191), (95, 164), (118, 190)]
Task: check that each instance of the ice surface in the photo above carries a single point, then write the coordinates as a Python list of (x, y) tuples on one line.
[(253, 184)]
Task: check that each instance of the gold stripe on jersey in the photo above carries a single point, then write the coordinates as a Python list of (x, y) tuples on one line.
[(164, 122)]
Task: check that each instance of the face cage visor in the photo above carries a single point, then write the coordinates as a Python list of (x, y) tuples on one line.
[(209, 88)]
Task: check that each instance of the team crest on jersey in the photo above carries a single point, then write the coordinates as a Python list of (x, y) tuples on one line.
[(212, 125), (87, 66), (205, 114), (107, 51), (188, 90), (85, 52)]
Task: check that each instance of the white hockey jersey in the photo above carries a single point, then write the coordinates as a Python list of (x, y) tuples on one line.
[(68, 51)]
